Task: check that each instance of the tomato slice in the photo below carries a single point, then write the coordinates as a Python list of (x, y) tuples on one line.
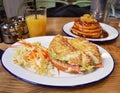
[(65, 66)]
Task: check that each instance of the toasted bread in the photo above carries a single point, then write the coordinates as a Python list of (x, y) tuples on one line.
[(74, 53)]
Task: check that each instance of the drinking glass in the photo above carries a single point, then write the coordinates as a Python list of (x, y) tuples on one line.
[(36, 21), (100, 9)]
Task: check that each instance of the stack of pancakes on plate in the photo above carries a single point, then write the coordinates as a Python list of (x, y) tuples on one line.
[(87, 26)]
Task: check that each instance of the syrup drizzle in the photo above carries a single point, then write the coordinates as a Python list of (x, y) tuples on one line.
[(103, 35)]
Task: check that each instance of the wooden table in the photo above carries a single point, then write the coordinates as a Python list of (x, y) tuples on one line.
[(111, 84)]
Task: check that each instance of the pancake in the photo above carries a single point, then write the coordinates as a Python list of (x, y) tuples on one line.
[(87, 26)]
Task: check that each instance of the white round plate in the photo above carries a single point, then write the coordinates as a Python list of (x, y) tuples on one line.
[(62, 80), (112, 32)]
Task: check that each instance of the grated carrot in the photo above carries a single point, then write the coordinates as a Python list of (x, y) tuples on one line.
[(99, 65)]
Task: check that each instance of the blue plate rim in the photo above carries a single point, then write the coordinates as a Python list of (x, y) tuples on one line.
[(92, 40)]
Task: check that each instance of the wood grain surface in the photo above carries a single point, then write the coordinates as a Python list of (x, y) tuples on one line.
[(111, 84)]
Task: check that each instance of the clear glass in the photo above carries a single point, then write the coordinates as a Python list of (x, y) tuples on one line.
[(98, 9), (36, 21)]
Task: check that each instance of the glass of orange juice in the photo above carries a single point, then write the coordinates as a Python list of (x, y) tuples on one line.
[(36, 21)]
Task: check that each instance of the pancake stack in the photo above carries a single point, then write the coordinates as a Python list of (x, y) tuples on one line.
[(86, 26)]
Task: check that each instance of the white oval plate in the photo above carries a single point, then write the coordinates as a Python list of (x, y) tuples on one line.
[(65, 79), (112, 32)]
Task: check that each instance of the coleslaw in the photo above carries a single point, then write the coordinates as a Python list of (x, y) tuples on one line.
[(33, 56)]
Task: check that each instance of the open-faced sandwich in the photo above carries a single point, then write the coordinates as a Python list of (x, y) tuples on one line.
[(74, 55), (86, 26)]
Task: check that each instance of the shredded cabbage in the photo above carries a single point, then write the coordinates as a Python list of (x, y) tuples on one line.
[(34, 56)]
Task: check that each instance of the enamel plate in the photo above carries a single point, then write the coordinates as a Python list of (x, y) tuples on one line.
[(112, 32), (62, 80)]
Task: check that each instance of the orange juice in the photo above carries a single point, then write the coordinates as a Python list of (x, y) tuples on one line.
[(36, 27)]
